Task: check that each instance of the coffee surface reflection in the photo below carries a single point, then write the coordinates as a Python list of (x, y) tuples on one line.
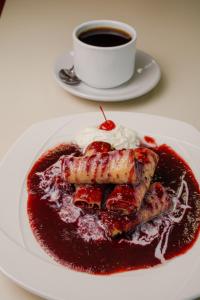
[(104, 37)]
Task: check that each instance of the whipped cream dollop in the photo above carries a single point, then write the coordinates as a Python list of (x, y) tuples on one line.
[(120, 137)]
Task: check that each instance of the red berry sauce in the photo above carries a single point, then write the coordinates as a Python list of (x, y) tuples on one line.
[(149, 140), (75, 237)]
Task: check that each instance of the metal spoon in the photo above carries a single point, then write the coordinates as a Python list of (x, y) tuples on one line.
[(68, 76)]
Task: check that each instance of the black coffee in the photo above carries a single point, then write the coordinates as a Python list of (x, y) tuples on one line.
[(104, 37)]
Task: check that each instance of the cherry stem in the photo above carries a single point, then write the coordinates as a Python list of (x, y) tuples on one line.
[(103, 112)]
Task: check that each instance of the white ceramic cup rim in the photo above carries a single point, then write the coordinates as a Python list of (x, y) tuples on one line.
[(95, 23)]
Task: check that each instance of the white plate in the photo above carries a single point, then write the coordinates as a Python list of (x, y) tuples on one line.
[(22, 259), (146, 77)]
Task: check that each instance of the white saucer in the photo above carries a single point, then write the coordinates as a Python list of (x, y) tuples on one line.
[(147, 75)]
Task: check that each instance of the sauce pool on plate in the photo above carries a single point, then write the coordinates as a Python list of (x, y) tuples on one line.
[(76, 238)]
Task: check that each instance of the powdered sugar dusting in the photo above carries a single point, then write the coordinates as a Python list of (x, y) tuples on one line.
[(48, 180), (145, 234), (90, 228), (180, 207), (69, 213), (163, 242), (57, 191)]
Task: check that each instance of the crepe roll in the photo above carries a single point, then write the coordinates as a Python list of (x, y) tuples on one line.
[(126, 199), (88, 196), (119, 166), (91, 195), (156, 202)]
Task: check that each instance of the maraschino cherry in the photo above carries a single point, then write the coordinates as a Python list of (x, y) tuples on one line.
[(108, 124)]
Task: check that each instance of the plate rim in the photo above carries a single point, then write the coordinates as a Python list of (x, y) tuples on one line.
[(72, 116)]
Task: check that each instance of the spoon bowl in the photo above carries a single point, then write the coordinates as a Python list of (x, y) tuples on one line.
[(68, 76)]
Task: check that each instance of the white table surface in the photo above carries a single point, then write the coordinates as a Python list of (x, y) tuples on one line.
[(34, 33)]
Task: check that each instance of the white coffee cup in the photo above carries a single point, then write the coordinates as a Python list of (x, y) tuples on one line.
[(104, 67)]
